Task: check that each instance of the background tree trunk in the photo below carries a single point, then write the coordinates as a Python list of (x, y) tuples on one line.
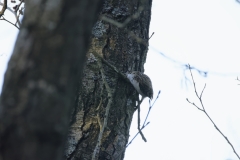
[(42, 78), (102, 88)]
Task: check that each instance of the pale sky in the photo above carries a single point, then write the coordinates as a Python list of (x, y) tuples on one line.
[(205, 34)]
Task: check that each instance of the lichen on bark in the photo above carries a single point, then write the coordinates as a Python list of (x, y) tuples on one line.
[(120, 49)]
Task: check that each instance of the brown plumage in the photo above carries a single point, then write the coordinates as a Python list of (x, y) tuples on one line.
[(141, 83)]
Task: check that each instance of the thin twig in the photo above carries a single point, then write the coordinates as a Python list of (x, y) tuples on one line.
[(16, 10), (205, 112), (202, 91), (139, 128), (9, 22), (17, 19), (151, 36), (145, 121), (150, 107), (137, 134), (194, 104)]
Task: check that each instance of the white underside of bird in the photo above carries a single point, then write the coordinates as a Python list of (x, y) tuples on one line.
[(141, 83), (135, 83)]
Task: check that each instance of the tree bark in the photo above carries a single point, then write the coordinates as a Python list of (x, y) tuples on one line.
[(42, 78), (105, 104)]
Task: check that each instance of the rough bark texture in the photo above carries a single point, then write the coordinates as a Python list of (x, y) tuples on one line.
[(95, 98), (43, 76)]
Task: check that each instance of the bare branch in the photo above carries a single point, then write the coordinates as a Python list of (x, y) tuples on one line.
[(3, 8), (15, 14), (205, 112)]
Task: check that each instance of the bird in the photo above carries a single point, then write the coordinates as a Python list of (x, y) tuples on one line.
[(142, 83)]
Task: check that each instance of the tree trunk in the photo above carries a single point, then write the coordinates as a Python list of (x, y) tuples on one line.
[(43, 76), (106, 102)]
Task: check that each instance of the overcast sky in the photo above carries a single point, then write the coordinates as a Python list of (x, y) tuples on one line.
[(206, 35)]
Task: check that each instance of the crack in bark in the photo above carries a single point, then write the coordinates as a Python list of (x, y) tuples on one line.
[(110, 101)]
